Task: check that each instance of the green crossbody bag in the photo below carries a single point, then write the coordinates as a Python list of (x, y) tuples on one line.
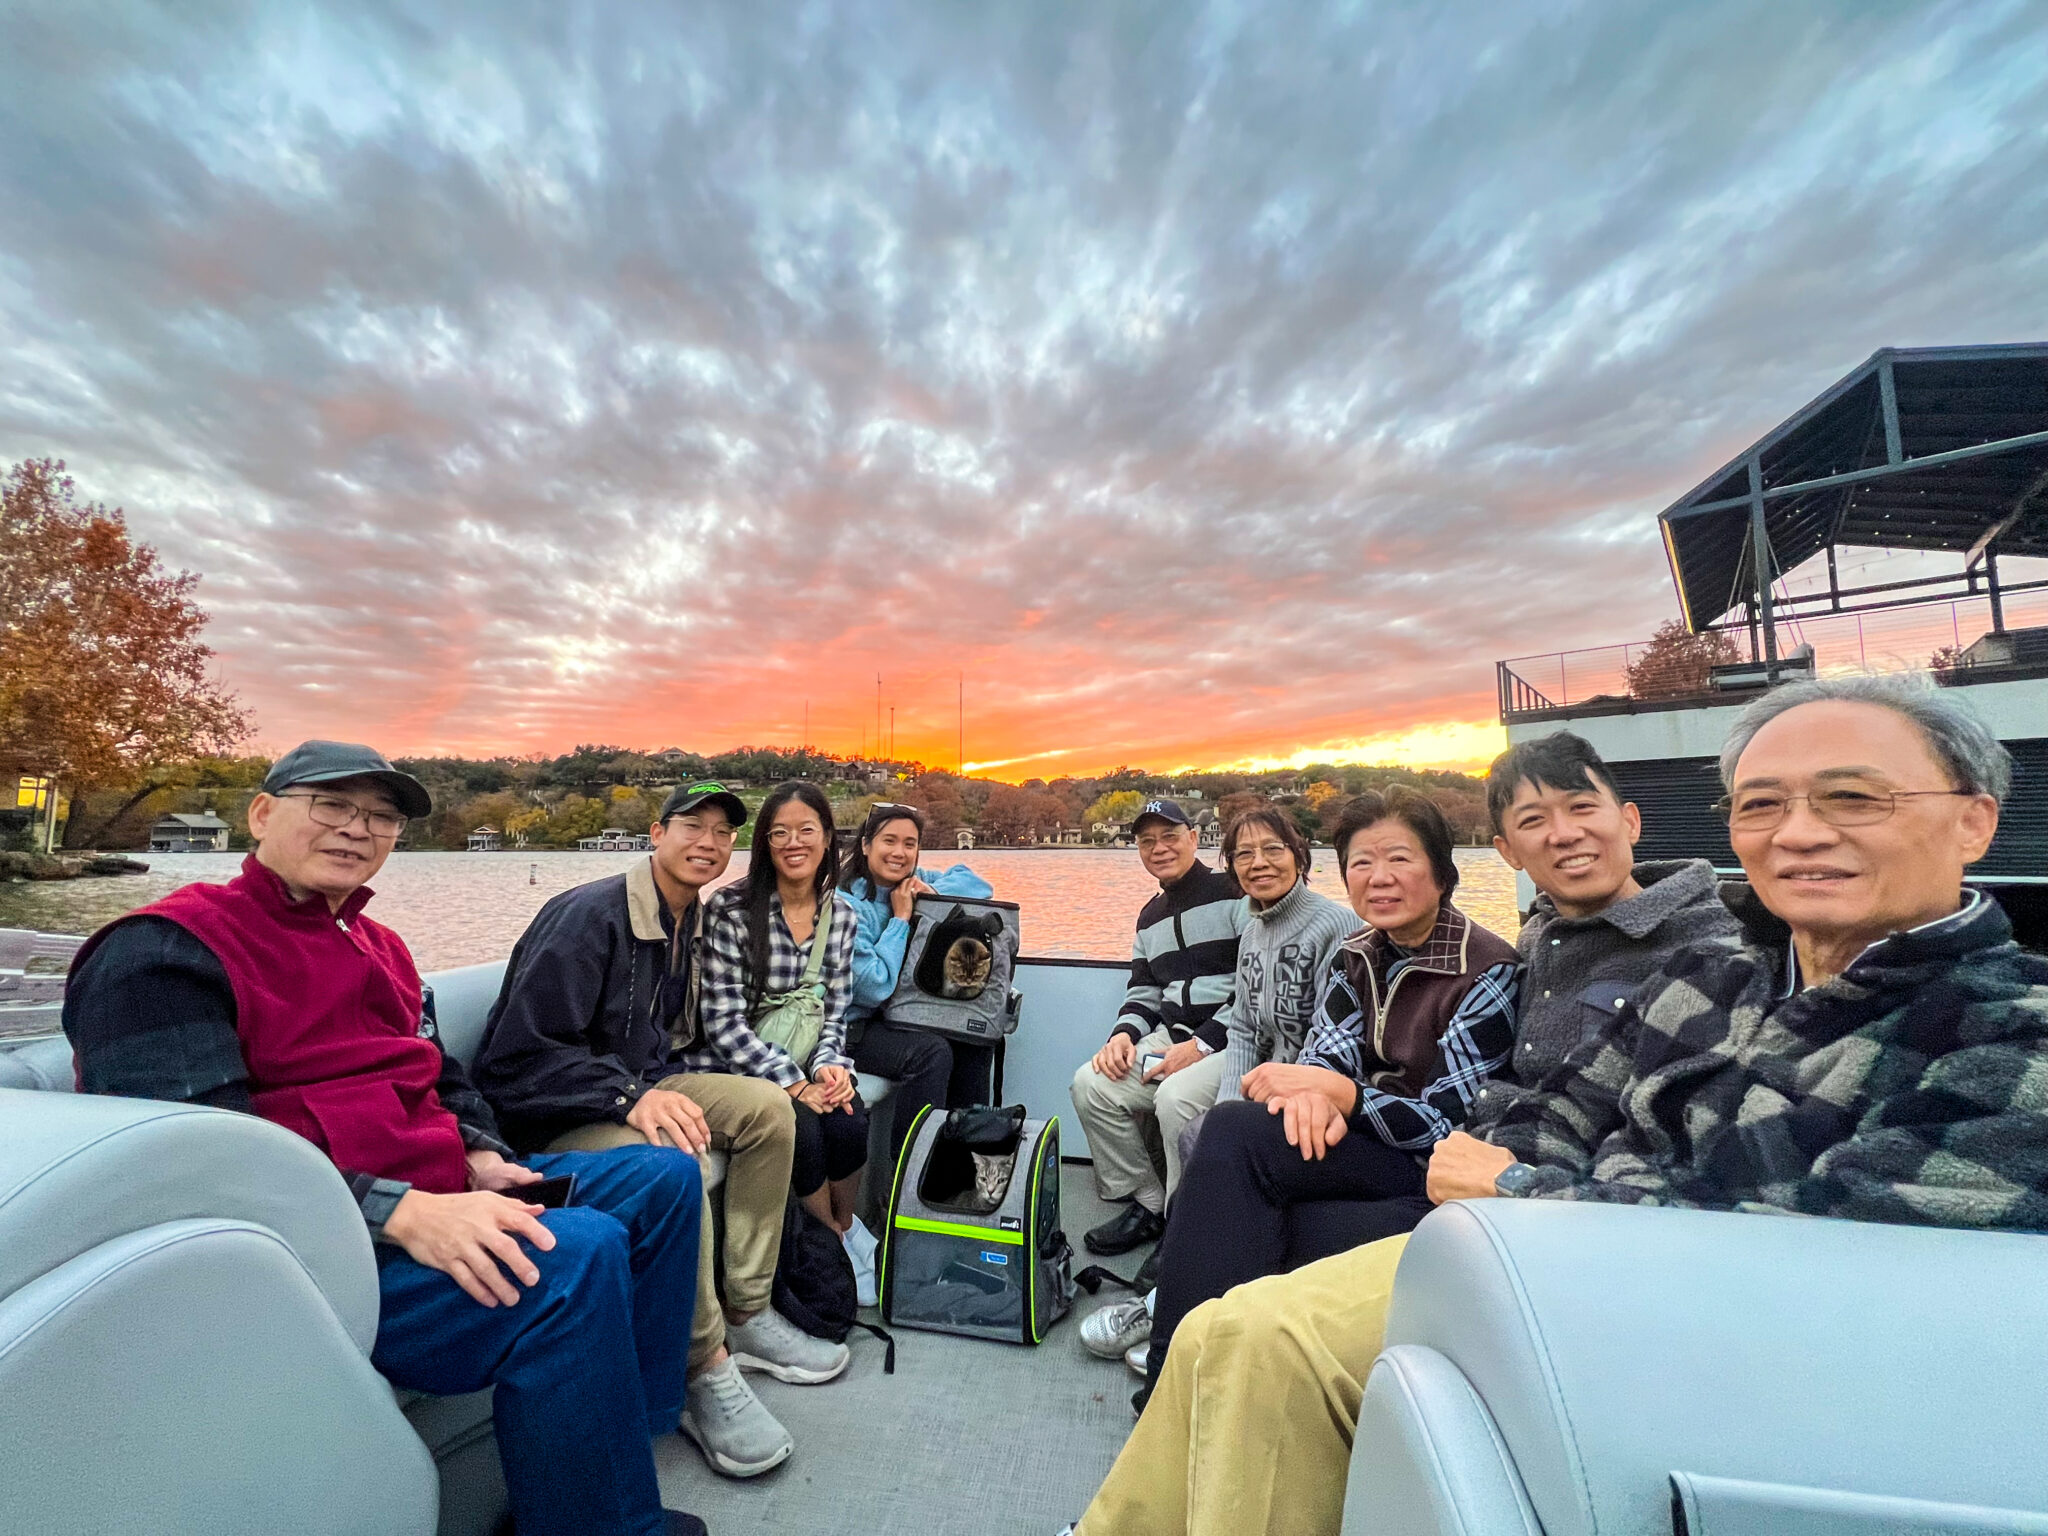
[(795, 1019)]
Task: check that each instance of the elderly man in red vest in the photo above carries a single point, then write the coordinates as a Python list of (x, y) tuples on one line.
[(275, 996)]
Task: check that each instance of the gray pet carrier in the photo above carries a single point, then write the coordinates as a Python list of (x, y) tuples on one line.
[(973, 1243), (957, 969)]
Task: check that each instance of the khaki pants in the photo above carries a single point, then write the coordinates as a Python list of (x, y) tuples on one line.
[(1122, 1116), (1249, 1431), (753, 1122)]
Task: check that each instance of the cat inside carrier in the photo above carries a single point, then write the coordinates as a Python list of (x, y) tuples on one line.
[(972, 1243), (957, 969)]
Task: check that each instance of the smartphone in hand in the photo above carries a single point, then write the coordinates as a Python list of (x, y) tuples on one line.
[(1147, 1062), (552, 1193)]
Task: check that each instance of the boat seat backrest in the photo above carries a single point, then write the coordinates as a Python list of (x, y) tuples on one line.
[(462, 1006)]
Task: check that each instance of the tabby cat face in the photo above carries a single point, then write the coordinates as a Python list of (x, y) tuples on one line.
[(967, 966)]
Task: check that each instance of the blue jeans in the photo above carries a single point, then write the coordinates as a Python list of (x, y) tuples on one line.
[(589, 1365)]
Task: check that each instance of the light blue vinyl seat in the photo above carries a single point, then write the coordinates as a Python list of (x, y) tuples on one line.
[(188, 1299), (1570, 1370)]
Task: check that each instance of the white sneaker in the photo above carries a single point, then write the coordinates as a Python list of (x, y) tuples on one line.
[(1135, 1357), (731, 1426), (770, 1342), (1112, 1330)]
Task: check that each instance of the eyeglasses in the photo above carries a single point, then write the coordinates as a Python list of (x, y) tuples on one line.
[(694, 827), (1762, 810), (333, 811), (1272, 853), (782, 837), (1152, 840)]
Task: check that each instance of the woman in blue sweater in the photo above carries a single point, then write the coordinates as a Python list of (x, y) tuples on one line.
[(883, 882)]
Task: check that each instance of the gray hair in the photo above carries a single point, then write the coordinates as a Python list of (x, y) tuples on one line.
[(1975, 758)]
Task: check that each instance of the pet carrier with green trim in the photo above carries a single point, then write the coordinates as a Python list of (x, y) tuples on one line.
[(972, 1243)]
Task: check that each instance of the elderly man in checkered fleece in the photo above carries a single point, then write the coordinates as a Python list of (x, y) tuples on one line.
[(1870, 1044)]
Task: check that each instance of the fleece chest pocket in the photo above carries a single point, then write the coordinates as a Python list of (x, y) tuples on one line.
[(1598, 1004)]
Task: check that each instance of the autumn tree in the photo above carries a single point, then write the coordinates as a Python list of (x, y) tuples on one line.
[(1677, 663), (103, 676), (1232, 806), (1119, 805), (938, 796)]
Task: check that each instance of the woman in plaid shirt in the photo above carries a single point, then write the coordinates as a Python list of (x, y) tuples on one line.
[(757, 944)]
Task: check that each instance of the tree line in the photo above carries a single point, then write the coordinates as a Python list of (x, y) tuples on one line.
[(551, 802)]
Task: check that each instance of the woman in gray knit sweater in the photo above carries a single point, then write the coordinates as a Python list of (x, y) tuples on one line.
[(1284, 949)]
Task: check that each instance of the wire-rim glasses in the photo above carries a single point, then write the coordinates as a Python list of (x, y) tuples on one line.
[(333, 811), (1764, 810)]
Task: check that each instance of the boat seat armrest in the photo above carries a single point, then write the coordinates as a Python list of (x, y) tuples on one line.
[(1723, 1506), (1427, 1459), (1611, 1344), (78, 1170)]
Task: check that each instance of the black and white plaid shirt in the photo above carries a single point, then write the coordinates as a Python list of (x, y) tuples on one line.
[(726, 1040)]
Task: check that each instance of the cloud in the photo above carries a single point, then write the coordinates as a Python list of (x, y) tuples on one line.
[(1222, 384)]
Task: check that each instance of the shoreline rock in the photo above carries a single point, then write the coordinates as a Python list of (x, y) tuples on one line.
[(67, 866)]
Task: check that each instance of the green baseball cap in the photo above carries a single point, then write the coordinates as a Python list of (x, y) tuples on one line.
[(685, 798)]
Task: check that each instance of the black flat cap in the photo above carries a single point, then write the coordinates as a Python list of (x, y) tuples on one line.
[(324, 762)]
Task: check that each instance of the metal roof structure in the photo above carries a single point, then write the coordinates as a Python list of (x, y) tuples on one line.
[(1928, 448)]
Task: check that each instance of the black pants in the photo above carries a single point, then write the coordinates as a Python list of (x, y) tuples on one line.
[(829, 1146), (926, 1068), (1249, 1205)]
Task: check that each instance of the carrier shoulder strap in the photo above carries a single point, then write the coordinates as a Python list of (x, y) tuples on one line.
[(1095, 1277), (819, 935)]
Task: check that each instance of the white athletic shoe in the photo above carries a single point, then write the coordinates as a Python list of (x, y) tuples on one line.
[(731, 1426), (1135, 1357), (1112, 1330), (770, 1342)]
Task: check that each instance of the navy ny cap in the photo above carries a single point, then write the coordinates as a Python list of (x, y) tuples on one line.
[(1161, 810)]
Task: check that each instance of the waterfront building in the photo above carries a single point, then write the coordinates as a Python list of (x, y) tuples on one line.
[(615, 840), (183, 832), (485, 839)]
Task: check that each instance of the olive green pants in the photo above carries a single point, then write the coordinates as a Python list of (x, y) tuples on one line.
[(753, 1122), (1249, 1430)]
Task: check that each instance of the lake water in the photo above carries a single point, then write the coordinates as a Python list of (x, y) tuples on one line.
[(464, 908)]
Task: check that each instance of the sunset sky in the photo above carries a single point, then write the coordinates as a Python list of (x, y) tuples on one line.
[(1203, 384)]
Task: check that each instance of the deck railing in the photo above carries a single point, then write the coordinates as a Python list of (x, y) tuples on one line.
[(1893, 640)]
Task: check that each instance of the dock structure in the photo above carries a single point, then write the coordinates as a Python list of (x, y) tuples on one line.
[(32, 967)]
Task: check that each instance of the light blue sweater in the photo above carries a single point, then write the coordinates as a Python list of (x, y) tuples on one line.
[(880, 939)]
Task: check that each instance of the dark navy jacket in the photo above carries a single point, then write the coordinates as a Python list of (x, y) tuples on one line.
[(578, 1032)]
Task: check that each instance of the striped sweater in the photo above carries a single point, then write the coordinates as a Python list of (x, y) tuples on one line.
[(1183, 959), (1281, 960)]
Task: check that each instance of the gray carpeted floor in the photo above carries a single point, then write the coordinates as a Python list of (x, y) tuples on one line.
[(967, 1438)]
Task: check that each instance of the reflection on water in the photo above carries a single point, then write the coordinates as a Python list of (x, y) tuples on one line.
[(462, 908)]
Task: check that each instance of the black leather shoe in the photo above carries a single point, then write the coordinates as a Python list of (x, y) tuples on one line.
[(1139, 1399), (684, 1524), (1148, 1272), (1124, 1231)]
